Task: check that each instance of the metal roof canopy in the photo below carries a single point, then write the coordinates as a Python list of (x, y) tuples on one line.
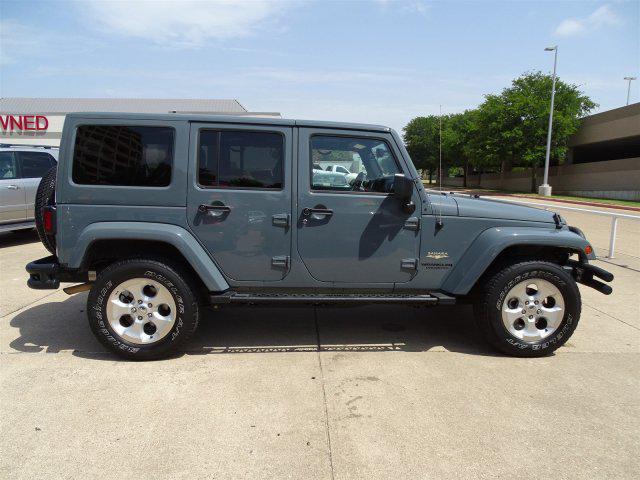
[(18, 105)]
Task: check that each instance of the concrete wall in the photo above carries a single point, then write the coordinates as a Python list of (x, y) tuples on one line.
[(619, 179), (614, 124)]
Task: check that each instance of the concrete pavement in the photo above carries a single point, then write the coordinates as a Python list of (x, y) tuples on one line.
[(372, 392)]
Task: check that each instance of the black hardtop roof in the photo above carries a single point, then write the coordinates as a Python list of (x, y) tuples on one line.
[(245, 120)]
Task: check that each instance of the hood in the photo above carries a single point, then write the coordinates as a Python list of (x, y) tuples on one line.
[(481, 207)]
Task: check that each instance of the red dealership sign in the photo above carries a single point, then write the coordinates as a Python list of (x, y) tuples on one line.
[(23, 123)]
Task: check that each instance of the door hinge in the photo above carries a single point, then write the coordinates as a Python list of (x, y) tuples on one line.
[(409, 264), (412, 223), (280, 261), (280, 220)]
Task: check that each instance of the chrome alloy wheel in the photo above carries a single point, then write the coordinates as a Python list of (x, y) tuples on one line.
[(141, 311), (533, 310)]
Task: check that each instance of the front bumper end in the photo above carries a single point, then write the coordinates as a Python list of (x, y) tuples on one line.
[(584, 273), (47, 273)]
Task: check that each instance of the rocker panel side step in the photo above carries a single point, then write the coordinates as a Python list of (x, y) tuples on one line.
[(323, 299)]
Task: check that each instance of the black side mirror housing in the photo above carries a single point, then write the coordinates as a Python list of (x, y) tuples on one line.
[(403, 191)]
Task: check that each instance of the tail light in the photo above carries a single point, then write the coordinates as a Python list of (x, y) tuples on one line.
[(49, 220)]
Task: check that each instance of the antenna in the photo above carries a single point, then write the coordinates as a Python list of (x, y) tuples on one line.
[(440, 166), (439, 223)]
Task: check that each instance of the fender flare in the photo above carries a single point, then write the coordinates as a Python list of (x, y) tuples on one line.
[(491, 242), (174, 235)]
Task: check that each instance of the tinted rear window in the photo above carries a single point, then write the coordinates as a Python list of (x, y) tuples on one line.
[(123, 155), (35, 164), (240, 159)]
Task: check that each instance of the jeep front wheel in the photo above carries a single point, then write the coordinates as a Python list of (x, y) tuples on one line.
[(528, 309), (143, 309)]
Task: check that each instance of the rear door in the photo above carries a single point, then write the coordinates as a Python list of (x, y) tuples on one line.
[(239, 198), (12, 194), (33, 166)]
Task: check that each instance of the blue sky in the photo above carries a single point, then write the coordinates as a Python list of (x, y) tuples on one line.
[(365, 61)]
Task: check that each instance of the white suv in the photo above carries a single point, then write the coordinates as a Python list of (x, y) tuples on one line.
[(21, 168), (343, 170)]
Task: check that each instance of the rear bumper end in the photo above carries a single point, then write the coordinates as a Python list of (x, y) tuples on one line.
[(47, 273), (584, 273)]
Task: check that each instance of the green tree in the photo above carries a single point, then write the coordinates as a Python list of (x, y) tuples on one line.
[(492, 142), (508, 129), (459, 136), (422, 139), (519, 118)]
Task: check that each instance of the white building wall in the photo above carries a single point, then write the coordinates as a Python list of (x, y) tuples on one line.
[(51, 136)]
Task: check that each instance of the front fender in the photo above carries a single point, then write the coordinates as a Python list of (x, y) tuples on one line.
[(177, 236), (488, 245)]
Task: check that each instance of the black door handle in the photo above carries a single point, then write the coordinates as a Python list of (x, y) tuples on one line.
[(325, 212), (214, 210)]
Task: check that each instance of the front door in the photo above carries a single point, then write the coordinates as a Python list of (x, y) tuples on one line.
[(350, 227), (239, 200)]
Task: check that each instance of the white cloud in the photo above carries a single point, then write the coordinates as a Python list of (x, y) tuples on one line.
[(406, 6), (602, 17), (182, 23)]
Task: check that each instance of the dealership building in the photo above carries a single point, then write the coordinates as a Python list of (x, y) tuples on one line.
[(39, 121)]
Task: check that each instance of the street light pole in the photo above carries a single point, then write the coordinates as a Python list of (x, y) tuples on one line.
[(545, 188), (628, 79)]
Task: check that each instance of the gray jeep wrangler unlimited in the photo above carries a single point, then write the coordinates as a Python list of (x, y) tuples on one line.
[(160, 216)]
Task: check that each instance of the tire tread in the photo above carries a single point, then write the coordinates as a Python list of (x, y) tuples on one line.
[(161, 264), (483, 306), (45, 196)]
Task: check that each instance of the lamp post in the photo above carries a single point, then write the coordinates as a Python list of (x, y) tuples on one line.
[(628, 79), (545, 188)]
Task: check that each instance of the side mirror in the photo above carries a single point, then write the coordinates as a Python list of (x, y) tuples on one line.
[(403, 191)]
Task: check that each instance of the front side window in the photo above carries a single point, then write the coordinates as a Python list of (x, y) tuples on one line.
[(240, 159), (123, 155), (8, 167), (35, 164), (352, 164)]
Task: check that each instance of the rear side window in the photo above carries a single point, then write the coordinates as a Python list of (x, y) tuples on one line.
[(123, 155), (35, 164), (240, 159), (8, 167)]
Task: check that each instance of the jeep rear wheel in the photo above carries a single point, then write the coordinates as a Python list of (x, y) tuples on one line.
[(143, 309), (528, 309)]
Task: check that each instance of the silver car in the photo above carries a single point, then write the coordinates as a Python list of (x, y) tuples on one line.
[(21, 168)]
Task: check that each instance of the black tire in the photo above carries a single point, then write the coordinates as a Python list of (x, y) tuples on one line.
[(182, 288), (45, 196), (490, 298)]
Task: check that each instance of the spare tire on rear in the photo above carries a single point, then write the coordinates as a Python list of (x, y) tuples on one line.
[(45, 196)]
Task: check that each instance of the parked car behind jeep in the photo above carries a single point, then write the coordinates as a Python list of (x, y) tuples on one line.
[(21, 168), (159, 216)]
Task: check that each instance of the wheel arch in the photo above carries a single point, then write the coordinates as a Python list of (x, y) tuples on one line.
[(102, 241), (500, 245)]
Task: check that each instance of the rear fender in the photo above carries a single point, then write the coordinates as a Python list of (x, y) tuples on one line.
[(488, 245), (174, 235)]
